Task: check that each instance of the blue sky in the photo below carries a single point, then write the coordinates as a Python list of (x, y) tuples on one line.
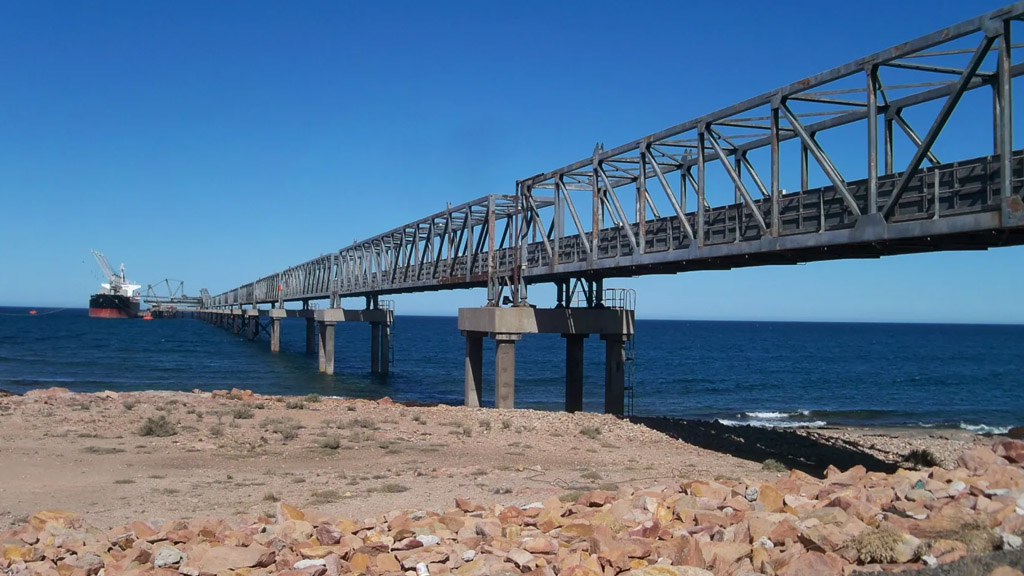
[(219, 142)]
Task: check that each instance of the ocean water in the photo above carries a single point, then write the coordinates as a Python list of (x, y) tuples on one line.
[(760, 373)]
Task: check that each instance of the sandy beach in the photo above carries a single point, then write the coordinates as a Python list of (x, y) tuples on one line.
[(240, 453)]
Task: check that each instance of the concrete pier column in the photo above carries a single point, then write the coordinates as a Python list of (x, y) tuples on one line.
[(311, 346), (236, 323), (326, 356), (573, 372), (385, 349), (252, 324), (275, 328), (374, 347), (505, 370), (474, 368), (614, 374)]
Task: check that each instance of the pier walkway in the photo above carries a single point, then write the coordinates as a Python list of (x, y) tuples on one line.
[(706, 194)]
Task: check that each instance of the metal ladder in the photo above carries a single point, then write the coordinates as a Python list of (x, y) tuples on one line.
[(390, 305)]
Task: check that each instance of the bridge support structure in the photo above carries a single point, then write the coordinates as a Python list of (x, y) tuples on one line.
[(508, 325), (320, 330)]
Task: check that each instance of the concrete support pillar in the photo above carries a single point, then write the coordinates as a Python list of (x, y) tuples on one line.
[(573, 372), (385, 349), (474, 368), (614, 374), (374, 347), (505, 370), (276, 315), (311, 346), (236, 323), (252, 326), (326, 356)]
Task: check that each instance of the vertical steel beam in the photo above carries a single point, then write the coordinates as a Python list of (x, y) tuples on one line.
[(887, 137), (558, 226), (683, 171), (641, 201), (701, 177), (872, 140), (737, 196), (1005, 112), (804, 177), (596, 207), (775, 172)]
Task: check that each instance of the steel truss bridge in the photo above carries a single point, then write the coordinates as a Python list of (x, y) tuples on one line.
[(856, 143)]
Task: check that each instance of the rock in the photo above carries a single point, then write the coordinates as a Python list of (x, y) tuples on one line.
[(541, 545), (167, 556), (669, 571), (309, 563), (771, 498), (468, 506), (428, 539), (107, 395), (220, 558), (328, 535), (752, 493), (1017, 433), (468, 555), (978, 460), (59, 518), (1012, 450), (388, 563), (809, 564), (489, 528), (288, 512), (523, 559), (1010, 541)]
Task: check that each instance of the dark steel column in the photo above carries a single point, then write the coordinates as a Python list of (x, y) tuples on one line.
[(614, 374), (573, 372)]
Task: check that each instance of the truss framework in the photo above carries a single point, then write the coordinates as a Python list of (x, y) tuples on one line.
[(649, 205)]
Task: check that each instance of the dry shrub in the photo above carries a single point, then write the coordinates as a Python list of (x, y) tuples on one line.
[(974, 534), (881, 544)]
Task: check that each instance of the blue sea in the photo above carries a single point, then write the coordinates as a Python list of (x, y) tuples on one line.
[(759, 373)]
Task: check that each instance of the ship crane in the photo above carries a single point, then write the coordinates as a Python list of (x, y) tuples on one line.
[(116, 283)]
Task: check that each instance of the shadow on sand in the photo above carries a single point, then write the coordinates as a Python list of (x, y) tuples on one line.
[(790, 448)]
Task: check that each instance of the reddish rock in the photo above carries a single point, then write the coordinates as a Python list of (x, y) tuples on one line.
[(468, 506), (978, 459), (328, 535), (1012, 450), (809, 564)]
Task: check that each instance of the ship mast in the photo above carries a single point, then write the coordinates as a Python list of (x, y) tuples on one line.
[(116, 284)]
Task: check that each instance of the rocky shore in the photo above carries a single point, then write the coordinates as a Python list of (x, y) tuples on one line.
[(476, 508)]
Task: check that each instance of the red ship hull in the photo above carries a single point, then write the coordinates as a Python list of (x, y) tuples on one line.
[(108, 313), (113, 306)]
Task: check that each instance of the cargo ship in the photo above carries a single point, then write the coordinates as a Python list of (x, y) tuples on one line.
[(118, 298)]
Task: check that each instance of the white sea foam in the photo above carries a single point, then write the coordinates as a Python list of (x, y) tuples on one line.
[(767, 415), (984, 428), (774, 423)]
